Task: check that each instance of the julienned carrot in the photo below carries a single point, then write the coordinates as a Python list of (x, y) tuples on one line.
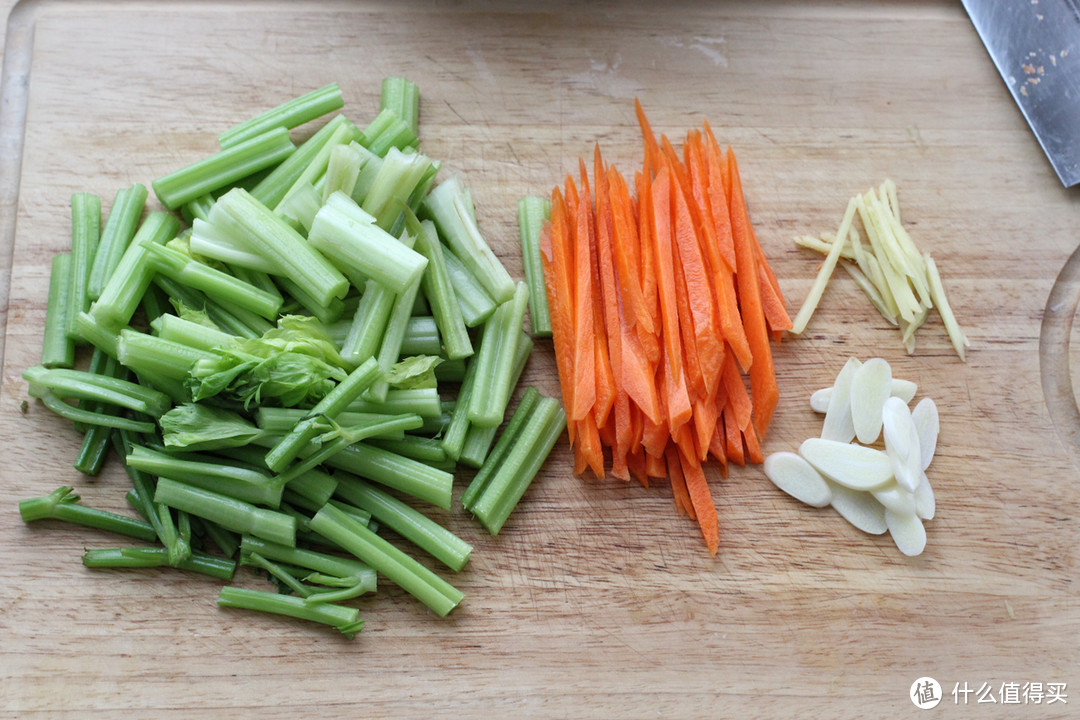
[(697, 485), (667, 300), (555, 260), (763, 386)]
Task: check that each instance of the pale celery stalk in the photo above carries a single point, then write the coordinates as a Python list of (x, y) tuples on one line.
[(290, 114)]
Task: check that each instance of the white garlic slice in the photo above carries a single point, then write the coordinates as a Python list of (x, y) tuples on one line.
[(859, 508), (903, 389), (925, 417), (854, 466), (925, 504), (896, 498), (838, 425), (871, 386), (797, 478), (902, 443), (907, 532)]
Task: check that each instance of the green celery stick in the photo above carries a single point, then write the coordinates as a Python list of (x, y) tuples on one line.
[(223, 168), (140, 557), (399, 568), (62, 504), (478, 439), (344, 619), (403, 97), (395, 471), (439, 290), (88, 386), (532, 213), (272, 189), (290, 114), (406, 521), (230, 513), (388, 130), (241, 483), (120, 226), (421, 337), (85, 235), (176, 329), (475, 304), (498, 454), (57, 348), (157, 356)]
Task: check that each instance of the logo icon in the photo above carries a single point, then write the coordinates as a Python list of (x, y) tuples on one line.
[(925, 693)]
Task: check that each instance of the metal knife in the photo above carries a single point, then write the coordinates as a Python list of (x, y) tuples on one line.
[(1035, 45)]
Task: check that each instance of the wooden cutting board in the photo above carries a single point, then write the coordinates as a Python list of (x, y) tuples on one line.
[(597, 600)]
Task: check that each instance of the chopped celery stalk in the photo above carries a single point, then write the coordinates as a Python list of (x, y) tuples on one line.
[(272, 189), (255, 229), (406, 521), (278, 421), (388, 130), (439, 290), (328, 565), (331, 405), (85, 235), (498, 454), (290, 114), (215, 283), (424, 402), (520, 465), (223, 168), (227, 542), (228, 512), (403, 97), (144, 353), (89, 386), (154, 303), (326, 315), (142, 557), (496, 360), (533, 212), (192, 334), (426, 450), (197, 208), (300, 206), (57, 347), (369, 323), (451, 371), (258, 278), (126, 286), (450, 206), (279, 573), (62, 504), (400, 175), (87, 417), (241, 324), (478, 440), (344, 619), (390, 349), (97, 334), (421, 337), (349, 237), (399, 568), (453, 439), (342, 171), (396, 471), (240, 483), (212, 241), (336, 440), (475, 304), (95, 444), (314, 485), (369, 170), (315, 172), (117, 234), (171, 536)]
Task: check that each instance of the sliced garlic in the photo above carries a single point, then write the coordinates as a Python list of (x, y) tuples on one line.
[(854, 466), (896, 498), (797, 478), (925, 505), (902, 443), (859, 508), (838, 425), (907, 532), (871, 386), (925, 417), (903, 389)]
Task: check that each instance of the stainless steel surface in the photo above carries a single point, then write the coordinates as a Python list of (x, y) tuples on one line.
[(1035, 45)]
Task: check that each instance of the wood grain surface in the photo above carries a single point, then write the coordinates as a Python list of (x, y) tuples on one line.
[(597, 600)]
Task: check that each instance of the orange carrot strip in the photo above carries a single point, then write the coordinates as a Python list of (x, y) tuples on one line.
[(652, 149), (584, 394), (636, 463), (738, 399), (665, 270), (650, 342), (705, 416), (654, 465), (604, 382), (718, 445), (763, 387), (555, 259), (697, 485), (684, 440), (678, 483), (592, 450), (753, 447), (627, 251), (772, 299), (734, 437), (719, 197), (695, 378)]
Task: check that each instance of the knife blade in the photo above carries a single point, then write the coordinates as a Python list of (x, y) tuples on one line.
[(1035, 45)]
